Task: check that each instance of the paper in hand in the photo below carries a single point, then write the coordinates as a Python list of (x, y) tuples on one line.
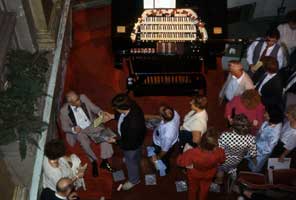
[(118, 176), (99, 120), (181, 186), (150, 179)]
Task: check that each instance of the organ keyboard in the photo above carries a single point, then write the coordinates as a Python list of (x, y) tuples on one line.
[(177, 25), (166, 54)]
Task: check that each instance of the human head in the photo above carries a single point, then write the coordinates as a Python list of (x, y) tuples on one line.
[(199, 102), (64, 186), (54, 149), (250, 98), (235, 68), (241, 125), (166, 113), (272, 36), (273, 114), (291, 18), (209, 140), (121, 102), (270, 64), (291, 112), (73, 98)]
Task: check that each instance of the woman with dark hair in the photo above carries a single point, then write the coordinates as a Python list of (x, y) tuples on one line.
[(132, 130), (249, 104), (205, 160), (57, 165), (237, 143), (195, 122), (267, 137)]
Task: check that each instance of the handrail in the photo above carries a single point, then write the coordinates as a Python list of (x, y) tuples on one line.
[(49, 102)]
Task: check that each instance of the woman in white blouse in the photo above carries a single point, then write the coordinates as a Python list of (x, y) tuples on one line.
[(195, 122), (56, 165), (287, 144)]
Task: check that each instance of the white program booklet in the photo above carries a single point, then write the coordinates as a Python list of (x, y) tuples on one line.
[(275, 164)]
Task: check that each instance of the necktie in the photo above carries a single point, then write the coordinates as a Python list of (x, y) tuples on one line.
[(264, 52)]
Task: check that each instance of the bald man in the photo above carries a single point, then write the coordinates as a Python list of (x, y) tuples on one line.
[(237, 82), (77, 116), (64, 190)]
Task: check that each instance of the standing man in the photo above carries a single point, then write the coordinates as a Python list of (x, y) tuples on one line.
[(77, 117), (237, 82), (132, 130), (288, 34), (266, 47)]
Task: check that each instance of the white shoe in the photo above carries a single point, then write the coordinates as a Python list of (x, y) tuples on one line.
[(128, 185)]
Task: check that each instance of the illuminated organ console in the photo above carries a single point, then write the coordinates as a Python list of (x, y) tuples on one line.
[(166, 55)]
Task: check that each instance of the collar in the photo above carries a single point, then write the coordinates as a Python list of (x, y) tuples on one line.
[(59, 196), (270, 75), (73, 107), (240, 78)]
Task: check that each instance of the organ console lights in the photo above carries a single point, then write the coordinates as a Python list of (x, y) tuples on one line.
[(169, 25)]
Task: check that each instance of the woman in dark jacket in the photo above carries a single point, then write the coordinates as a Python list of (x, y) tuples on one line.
[(131, 129)]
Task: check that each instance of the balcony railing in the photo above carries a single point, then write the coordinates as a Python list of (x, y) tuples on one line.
[(54, 90)]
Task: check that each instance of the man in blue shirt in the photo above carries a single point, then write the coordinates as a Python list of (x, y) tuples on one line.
[(165, 135)]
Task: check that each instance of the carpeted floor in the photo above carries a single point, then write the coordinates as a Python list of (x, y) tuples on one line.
[(90, 71)]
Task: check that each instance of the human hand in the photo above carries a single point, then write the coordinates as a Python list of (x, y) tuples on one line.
[(73, 196), (80, 173), (77, 129), (107, 117), (255, 122), (252, 68), (230, 120), (281, 158), (220, 101), (111, 140)]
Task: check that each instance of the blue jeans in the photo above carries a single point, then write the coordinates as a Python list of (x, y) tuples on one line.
[(261, 160), (133, 164)]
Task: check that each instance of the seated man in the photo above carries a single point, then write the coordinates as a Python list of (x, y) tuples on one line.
[(64, 190), (77, 117), (165, 135)]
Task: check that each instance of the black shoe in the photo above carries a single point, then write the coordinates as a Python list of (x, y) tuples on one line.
[(106, 165), (95, 171)]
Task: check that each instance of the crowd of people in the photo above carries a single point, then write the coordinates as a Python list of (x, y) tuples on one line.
[(260, 109)]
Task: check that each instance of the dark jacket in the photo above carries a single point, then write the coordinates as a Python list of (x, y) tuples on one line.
[(272, 93), (132, 129)]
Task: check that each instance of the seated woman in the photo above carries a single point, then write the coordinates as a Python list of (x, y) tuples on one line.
[(249, 104), (195, 122), (205, 160), (267, 138), (237, 143), (287, 143), (56, 165)]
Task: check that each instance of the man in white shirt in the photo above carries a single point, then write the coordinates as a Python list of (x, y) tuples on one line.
[(77, 117), (237, 82), (265, 47), (288, 32), (165, 135)]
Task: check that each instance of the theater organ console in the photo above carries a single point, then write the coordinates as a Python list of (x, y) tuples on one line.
[(166, 53)]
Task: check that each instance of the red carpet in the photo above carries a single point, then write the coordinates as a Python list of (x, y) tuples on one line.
[(90, 71)]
